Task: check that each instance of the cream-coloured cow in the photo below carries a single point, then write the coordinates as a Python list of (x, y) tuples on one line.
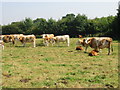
[(28, 38), (63, 38)]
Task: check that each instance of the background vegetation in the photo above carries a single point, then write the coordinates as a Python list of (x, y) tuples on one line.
[(70, 24)]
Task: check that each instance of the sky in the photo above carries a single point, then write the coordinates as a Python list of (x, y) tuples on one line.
[(17, 10)]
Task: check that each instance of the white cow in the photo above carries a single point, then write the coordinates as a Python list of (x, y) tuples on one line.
[(63, 38)]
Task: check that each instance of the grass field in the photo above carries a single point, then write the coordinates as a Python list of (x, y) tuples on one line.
[(61, 67)]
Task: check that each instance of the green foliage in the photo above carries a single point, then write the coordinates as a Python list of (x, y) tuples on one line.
[(71, 24)]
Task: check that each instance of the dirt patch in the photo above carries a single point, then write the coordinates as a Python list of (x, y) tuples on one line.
[(6, 75), (25, 80)]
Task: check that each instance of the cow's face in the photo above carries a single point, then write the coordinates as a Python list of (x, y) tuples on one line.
[(86, 41), (11, 38), (8, 38), (20, 38), (79, 42)]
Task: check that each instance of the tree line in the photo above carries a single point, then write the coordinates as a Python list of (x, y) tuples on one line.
[(71, 24)]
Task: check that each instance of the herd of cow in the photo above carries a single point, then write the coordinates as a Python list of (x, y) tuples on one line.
[(97, 43)]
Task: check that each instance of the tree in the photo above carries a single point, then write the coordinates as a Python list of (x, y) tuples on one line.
[(80, 23), (27, 24), (51, 26), (39, 26)]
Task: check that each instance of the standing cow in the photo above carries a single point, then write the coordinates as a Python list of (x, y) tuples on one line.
[(97, 43), (47, 39), (8, 38), (28, 38), (63, 38)]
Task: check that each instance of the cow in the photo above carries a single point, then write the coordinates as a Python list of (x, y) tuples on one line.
[(97, 43), (79, 48), (63, 38), (93, 53), (28, 38), (8, 38), (16, 36), (80, 36), (47, 38), (2, 44)]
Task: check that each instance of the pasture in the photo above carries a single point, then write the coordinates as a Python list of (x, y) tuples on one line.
[(58, 67)]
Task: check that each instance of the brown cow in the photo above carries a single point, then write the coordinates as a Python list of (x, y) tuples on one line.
[(79, 48), (94, 53), (80, 36), (9, 38), (97, 43)]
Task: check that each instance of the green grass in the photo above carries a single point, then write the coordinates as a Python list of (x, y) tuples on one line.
[(61, 67)]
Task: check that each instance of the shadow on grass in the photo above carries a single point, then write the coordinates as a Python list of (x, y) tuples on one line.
[(21, 46), (60, 46), (40, 44)]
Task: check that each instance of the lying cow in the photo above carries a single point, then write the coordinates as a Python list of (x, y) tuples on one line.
[(97, 43), (93, 53), (28, 38), (79, 48), (47, 39), (63, 38)]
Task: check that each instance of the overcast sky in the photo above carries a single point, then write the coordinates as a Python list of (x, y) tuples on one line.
[(17, 10)]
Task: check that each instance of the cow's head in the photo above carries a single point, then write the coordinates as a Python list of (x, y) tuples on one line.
[(86, 41), (79, 42), (20, 38), (8, 38)]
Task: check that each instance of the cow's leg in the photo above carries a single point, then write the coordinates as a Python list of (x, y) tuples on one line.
[(34, 44), (53, 42), (100, 50), (68, 45), (68, 42), (3, 47), (58, 43), (110, 48), (13, 42), (86, 48), (47, 43), (109, 51), (23, 44)]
